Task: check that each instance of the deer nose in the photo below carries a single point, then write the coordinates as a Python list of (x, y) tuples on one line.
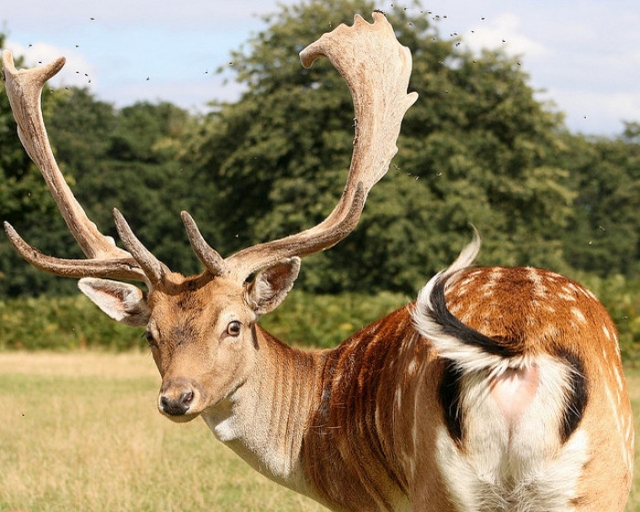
[(176, 404)]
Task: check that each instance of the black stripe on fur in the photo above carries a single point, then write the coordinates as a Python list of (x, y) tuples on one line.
[(451, 326), (449, 394), (578, 397)]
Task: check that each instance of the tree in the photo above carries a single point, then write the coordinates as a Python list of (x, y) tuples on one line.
[(124, 159), (21, 189), (24, 198), (604, 236), (474, 149)]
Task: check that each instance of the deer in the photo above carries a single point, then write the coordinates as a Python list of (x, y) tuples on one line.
[(497, 389)]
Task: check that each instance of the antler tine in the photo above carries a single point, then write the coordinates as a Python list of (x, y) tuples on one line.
[(377, 70), (153, 268), (74, 268), (24, 89), (209, 257)]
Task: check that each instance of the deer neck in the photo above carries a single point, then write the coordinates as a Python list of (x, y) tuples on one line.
[(265, 419)]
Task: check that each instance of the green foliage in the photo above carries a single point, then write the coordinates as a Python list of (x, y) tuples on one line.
[(124, 159), (474, 149), (604, 235), (66, 323), (477, 148), (61, 324), (303, 319), (326, 320)]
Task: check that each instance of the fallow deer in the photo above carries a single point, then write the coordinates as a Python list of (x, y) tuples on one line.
[(498, 389)]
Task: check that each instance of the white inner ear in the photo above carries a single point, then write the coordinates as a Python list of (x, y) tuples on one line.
[(272, 284), (123, 302)]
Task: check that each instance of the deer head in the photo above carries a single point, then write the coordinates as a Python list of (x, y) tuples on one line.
[(201, 328)]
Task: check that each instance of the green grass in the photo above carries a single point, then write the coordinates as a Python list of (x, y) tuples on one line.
[(80, 431)]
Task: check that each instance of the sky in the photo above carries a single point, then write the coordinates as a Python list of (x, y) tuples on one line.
[(583, 55)]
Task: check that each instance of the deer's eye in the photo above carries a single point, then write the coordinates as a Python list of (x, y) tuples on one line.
[(150, 339), (233, 329)]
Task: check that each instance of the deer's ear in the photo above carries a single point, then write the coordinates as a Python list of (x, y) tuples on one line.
[(123, 302), (271, 285)]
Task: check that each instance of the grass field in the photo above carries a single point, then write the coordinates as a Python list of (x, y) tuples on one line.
[(80, 431)]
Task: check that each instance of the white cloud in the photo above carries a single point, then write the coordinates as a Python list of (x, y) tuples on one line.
[(76, 72), (587, 57), (504, 31), (597, 112)]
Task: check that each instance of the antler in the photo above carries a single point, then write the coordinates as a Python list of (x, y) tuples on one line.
[(377, 69), (24, 90)]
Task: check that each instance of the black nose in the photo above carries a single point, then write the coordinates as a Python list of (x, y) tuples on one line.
[(176, 406)]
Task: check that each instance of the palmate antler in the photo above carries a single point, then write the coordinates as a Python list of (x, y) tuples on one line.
[(24, 89), (376, 68)]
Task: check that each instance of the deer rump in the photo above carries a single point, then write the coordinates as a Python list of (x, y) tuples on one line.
[(512, 402)]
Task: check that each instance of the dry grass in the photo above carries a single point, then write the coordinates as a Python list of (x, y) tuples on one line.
[(125, 365), (633, 381), (80, 431)]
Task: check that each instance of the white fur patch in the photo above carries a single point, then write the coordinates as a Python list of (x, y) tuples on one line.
[(515, 466), (123, 302), (579, 315), (512, 456)]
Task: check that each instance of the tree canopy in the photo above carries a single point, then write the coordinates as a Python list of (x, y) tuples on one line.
[(476, 149)]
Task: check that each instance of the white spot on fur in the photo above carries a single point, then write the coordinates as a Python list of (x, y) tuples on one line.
[(566, 295), (495, 276), (411, 368), (614, 408), (550, 332), (579, 315), (455, 309), (539, 288), (619, 380), (573, 288), (606, 332), (590, 294), (461, 287)]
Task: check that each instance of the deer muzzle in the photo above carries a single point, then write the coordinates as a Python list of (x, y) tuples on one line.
[(179, 399)]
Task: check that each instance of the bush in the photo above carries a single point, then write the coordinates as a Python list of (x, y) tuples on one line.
[(65, 323), (304, 319), (325, 320), (621, 297), (61, 323)]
